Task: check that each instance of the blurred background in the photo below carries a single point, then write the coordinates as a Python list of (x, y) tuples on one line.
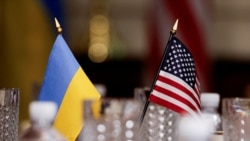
[(119, 44)]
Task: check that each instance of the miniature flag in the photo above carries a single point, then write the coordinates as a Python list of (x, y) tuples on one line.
[(66, 84), (177, 85)]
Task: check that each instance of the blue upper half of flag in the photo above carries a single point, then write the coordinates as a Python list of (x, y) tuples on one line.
[(60, 70)]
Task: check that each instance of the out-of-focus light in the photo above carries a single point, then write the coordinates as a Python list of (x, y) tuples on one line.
[(99, 39), (99, 25), (98, 52)]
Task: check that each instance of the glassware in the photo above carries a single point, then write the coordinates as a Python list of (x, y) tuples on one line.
[(236, 119), (9, 113), (111, 119), (159, 123)]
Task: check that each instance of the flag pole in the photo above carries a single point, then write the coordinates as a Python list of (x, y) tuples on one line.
[(58, 26), (172, 33)]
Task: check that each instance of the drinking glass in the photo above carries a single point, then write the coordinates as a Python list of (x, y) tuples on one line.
[(111, 119), (236, 119), (159, 123), (9, 113)]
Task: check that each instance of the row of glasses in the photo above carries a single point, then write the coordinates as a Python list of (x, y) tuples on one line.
[(118, 119), (111, 119), (107, 119)]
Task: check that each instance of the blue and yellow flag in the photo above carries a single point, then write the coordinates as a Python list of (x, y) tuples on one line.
[(66, 84)]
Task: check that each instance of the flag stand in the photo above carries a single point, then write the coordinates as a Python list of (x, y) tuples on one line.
[(172, 33)]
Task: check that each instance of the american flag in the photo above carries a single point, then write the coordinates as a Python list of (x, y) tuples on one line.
[(177, 85), (194, 21)]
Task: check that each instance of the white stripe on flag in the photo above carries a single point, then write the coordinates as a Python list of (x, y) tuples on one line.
[(179, 81), (178, 92), (175, 102)]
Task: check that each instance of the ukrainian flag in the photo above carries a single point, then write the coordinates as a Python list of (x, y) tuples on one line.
[(66, 84)]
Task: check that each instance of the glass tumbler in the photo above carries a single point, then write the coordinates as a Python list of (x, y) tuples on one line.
[(9, 113), (236, 119), (111, 119), (159, 123)]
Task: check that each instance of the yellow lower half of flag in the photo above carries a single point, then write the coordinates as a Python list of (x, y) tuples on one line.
[(69, 119)]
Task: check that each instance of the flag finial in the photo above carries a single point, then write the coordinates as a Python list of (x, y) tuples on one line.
[(58, 26), (174, 29)]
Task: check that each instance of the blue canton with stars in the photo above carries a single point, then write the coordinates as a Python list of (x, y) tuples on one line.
[(178, 61)]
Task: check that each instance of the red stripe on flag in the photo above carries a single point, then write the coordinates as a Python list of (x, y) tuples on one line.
[(171, 106), (175, 96), (180, 87)]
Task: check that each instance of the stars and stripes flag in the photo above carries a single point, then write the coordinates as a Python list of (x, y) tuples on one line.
[(195, 21), (177, 85)]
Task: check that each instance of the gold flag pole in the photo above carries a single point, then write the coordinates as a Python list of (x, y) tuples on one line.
[(58, 26), (172, 33)]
